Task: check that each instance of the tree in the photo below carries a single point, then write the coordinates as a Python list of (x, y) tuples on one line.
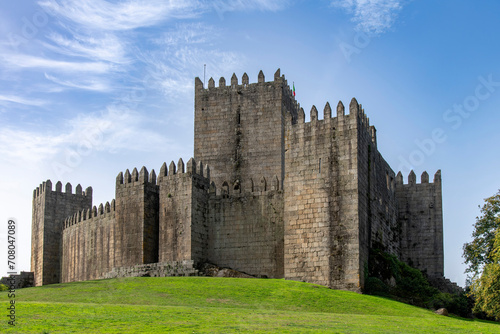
[(486, 289), (482, 256), (479, 252)]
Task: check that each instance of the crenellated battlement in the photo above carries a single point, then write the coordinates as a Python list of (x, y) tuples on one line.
[(46, 187), (181, 169), (244, 82), (412, 178), (135, 178), (85, 215), (279, 81), (356, 113)]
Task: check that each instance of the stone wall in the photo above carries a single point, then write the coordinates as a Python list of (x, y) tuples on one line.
[(245, 231), (50, 208), (88, 244), (421, 216), (183, 199), (240, 128), (321, 200), (162, 269), (377, 207), (137, 218)]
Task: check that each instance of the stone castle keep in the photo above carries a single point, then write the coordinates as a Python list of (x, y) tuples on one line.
[(266, 194)]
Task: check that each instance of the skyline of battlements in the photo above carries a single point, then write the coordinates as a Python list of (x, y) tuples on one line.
[(46, 186)]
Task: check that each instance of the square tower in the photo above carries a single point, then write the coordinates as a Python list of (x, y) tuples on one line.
[(239, 129)]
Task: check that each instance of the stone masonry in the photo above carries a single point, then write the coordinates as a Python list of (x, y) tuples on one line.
[(266, 194)]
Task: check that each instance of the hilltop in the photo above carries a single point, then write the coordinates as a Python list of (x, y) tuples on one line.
[(220, 305)]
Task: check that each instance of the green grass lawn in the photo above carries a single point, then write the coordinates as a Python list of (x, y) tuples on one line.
[(218, 305)]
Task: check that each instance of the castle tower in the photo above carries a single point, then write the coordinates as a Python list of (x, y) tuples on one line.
[(136, 227), (421, 217), (183, 195), (50, 209), (323, 229), (338, 198), (239, 128)]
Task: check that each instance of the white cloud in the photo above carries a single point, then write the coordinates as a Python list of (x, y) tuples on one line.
[(371, 16), (27, 61), (174, 69), (22, 100), (20, 146), (181, 54), (107, 47), (92, 84), (116, 128), (105, 16), (193, 33), (242, 5)]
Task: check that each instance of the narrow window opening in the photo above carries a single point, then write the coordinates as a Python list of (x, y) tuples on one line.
[(319, 165)]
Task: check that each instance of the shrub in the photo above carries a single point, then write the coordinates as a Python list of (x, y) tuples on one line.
[(389, 277)]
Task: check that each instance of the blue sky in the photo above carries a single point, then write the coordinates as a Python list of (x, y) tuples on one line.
[(91, 88)]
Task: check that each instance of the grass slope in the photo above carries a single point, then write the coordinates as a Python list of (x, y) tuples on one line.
[(218, 305)]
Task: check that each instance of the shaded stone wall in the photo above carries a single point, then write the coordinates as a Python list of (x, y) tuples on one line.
[(245, 231), (88, 244), (50, 208), (421, 217), (378, 225)]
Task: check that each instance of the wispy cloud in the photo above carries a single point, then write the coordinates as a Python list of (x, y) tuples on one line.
[(181, 55), (371, 16), (28, 61), (99, 85), (107, 16), (187, 33), (112, 130), (107, 47), (22, 100), (242, 5)]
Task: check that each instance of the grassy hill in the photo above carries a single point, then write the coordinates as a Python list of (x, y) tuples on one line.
[(218, 305)]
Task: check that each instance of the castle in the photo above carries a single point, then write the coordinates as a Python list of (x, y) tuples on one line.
[(266, 194)]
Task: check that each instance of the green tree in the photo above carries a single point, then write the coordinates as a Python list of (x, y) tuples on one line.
[(486, 289), (479, 252)]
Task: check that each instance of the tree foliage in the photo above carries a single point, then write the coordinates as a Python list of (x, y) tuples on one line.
[(483, 258), (479, 252), (486, 289)]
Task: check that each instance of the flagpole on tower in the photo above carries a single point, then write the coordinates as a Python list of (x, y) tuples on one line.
[(204, 71)]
